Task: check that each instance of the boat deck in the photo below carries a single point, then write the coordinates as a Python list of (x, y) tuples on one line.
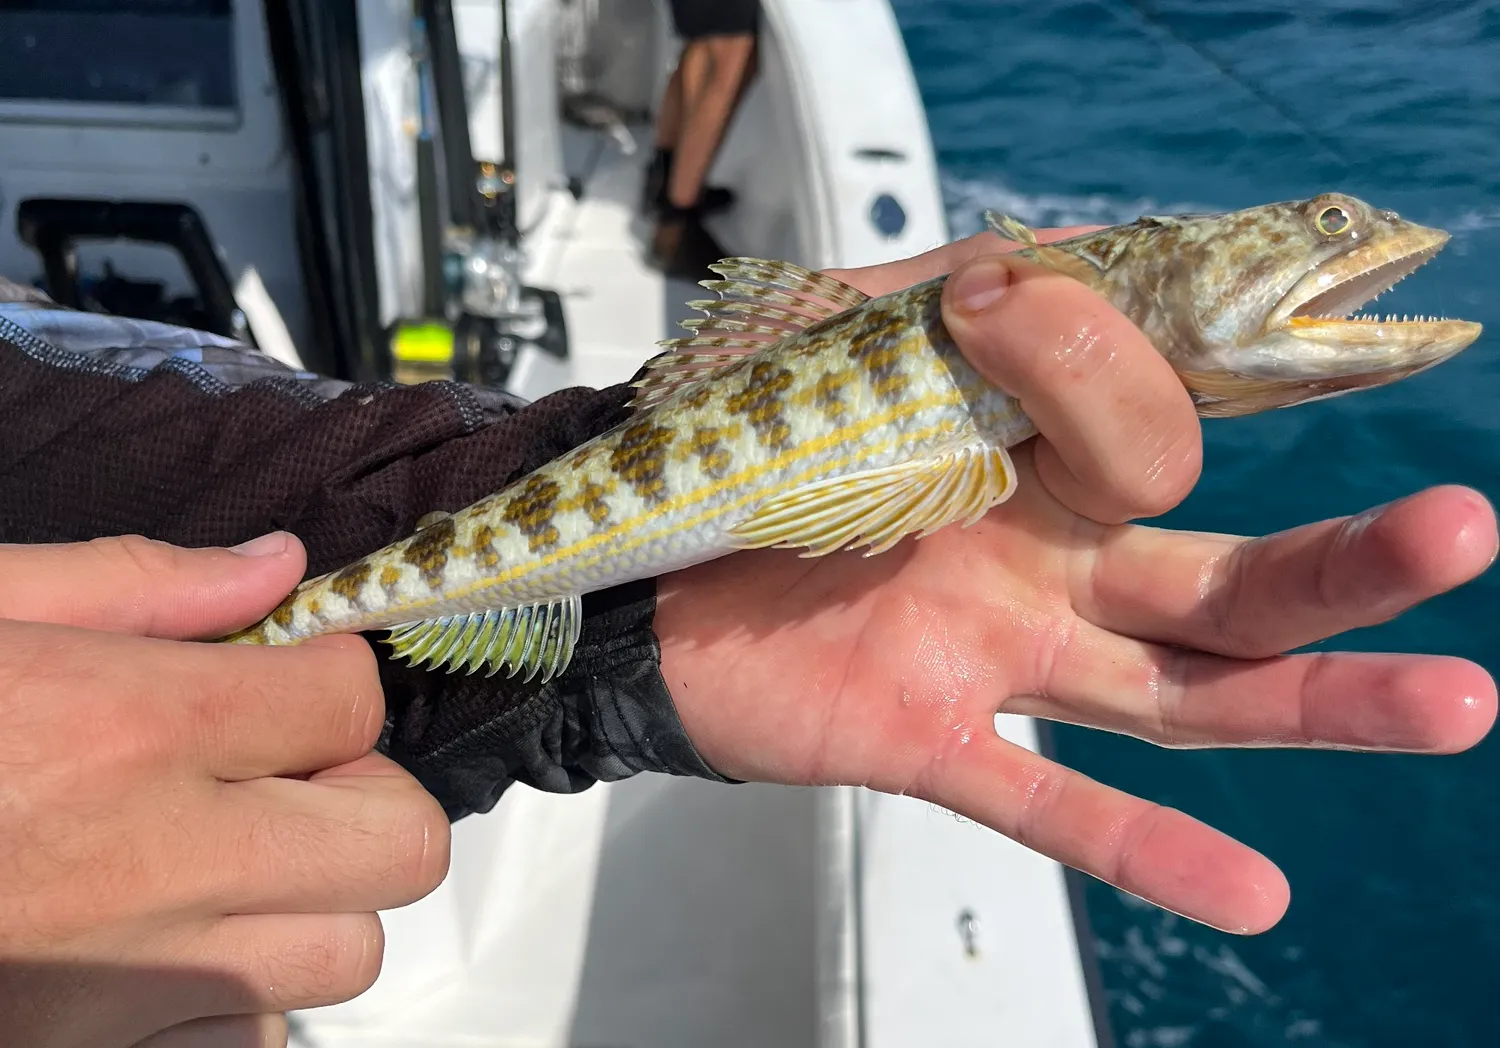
[(591, 250)]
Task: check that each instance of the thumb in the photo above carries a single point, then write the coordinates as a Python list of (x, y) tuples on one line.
[(130, 584)]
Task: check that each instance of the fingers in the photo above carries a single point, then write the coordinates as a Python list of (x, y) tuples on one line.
[(135, 585), (223, 1031), (283, 711), (1120, 437), (256, 964), (175, 988), (368, 837), (1258, 597), (893, 276), (1156, 853), (228, 711), (1337, 700)]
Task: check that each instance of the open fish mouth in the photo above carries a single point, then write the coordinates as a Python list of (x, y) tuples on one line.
[(1322, 306), (1355, 278), (1320, 311)]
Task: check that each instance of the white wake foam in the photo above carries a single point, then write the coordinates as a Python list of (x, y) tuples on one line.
[(966, 200)]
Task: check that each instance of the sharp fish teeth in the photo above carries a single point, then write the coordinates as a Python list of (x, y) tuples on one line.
[(1379, 318)]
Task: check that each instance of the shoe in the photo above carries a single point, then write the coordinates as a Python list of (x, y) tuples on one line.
[(714, 199), (654, 185), (681, 247), (654, 201)]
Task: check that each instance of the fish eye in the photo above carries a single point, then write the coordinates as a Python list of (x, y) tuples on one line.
[(1332, 221)]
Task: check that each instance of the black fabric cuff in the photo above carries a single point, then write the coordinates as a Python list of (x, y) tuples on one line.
[(609, 716)]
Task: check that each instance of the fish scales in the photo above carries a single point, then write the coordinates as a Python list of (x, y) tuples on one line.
[(857, 391), (801, 413)]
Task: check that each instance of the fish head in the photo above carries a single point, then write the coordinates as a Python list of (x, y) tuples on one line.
[(1255, 309)]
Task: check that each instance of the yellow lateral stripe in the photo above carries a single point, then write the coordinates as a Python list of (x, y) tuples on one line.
[(745, 476), (801, 478), (697, 495), (520, 571)]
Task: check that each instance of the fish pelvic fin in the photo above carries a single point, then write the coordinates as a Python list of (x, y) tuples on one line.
[(759, 304), (1057, 259), (535, 639), (879, 507)]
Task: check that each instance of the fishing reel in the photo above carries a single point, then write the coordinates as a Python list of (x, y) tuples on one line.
[(481, 323), (502, 332)]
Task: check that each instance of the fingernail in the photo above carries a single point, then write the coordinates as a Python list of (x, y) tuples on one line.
[(265, 546), (980, 285)]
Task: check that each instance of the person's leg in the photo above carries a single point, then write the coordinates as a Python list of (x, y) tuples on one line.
[(668, 129), (717, 62), (669, 120), (711, 87)]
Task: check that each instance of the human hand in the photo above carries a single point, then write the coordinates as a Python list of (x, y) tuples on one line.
[(193, 838), (887, 671)]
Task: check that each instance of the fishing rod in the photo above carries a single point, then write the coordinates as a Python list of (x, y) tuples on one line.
[(479, 316), (430, 220), (500, 191), (1149, 14)]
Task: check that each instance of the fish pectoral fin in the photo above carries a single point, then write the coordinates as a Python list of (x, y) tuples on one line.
[(531, 638), (879, 507), (427, 520), (759, 304), (1057, 259)]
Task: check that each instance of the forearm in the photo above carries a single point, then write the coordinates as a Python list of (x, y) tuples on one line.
[(120, 438)]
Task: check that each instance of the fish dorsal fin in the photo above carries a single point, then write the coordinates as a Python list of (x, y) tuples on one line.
[(530, 638), (1056, 259), (814, 289), (1010, 228), (759, 304), (878, 507)]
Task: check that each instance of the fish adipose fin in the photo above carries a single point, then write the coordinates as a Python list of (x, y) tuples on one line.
[(534, 639), (760, 304), (879, 507)]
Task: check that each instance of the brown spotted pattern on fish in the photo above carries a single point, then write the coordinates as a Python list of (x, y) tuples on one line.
[(639, 458), (350, 582), (712, 458), (762, 402), (697, 397), (428, 550), (485, 554), (593, 499), (531, 511), (828, 394)]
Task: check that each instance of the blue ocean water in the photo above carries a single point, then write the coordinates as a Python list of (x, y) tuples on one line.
[(1063, 112)]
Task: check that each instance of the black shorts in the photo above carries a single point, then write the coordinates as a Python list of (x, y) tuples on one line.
[(699, 18)]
